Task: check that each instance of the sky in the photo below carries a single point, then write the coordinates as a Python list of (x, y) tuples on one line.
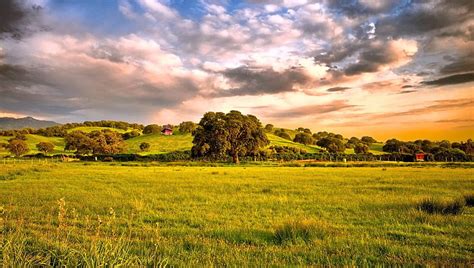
[(388, 68)]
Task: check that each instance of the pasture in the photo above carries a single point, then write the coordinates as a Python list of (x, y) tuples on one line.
[(149, 214)]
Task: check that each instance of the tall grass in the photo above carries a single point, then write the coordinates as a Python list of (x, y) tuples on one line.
[(438, 206)]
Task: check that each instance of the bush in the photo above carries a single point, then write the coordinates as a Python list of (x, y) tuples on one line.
[(305, 231), (469, 199), (144, 146), (432, 206)]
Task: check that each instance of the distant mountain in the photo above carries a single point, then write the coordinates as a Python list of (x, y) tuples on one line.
[(7, 123)]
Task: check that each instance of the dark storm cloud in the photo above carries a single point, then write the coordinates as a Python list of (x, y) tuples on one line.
[(258, 81), (371, 59), (459, 65), (422, 17), (337, 89), (353, 8), (15, 17), (451, 80)]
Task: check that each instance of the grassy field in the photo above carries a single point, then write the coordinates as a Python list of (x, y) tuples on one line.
[(32, 140), (112, 214), (160, 143)]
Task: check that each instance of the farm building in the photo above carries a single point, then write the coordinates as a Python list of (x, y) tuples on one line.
[(419, 157), (167, 130)]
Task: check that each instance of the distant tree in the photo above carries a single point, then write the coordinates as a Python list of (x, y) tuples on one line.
[(393, 146), (282, 134), (45, 147), (303, 138), (187, 127), (300, 129), (152, 129), (96, 142), (332, 145), (78, 141), (445, 144), (19, 136), (144, 146), (368, 140), (307, 130), (130, 135), (17, 147), (233, 134), (361, 148), (268, 127), (106, 142)]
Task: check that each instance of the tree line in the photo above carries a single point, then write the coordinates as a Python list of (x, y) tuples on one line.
[(233, 135)]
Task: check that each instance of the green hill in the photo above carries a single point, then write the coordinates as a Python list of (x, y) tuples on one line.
[(32, 140), (163, 144), (160, 143)]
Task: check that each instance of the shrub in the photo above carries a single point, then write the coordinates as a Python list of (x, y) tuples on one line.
[(432, 206), (469, 199), (144, 146), (305, 231)]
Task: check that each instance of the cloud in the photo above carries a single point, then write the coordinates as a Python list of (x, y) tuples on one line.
[(17, 17), (437, 106), (337, 89), (451, 80), (258, 81), (307, 110), (382, 54)]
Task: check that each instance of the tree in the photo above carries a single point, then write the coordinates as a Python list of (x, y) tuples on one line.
[(268, 127), (187, 127), (144, 146), (303, 138), (96, 142), (282, 134), (152, 129), (130, 135), (332, 145), (232, 134), (17, 147), (45, 147), (361, 148), (78, 141), (368, 140)]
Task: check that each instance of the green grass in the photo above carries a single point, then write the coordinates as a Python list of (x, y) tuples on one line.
[(90, 214), (275, 140), (376, 148), (160, 143), (32, 140)]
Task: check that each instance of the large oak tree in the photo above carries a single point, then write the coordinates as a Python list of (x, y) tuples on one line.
[(232, 134)]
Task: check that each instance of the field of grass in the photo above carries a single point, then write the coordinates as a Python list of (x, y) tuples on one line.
[(138, 214), (32, 140), (160, 143)]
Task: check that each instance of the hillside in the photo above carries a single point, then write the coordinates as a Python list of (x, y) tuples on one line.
[(8, 123), (164, 144)]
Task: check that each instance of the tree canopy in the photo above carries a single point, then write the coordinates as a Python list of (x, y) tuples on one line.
[(96, 142), (232, 134)]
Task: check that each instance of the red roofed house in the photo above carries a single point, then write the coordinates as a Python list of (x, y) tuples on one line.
[(419, 157), (167, 130)]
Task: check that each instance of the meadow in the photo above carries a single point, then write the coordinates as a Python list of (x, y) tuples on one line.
[(136, 214)]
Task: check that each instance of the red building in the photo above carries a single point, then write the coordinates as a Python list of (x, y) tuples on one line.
[(167, 130), (420, 157)]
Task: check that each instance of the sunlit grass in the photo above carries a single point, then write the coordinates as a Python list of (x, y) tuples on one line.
[(76, 214)]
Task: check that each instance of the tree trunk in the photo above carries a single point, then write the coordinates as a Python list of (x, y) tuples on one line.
[(235, 159)]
